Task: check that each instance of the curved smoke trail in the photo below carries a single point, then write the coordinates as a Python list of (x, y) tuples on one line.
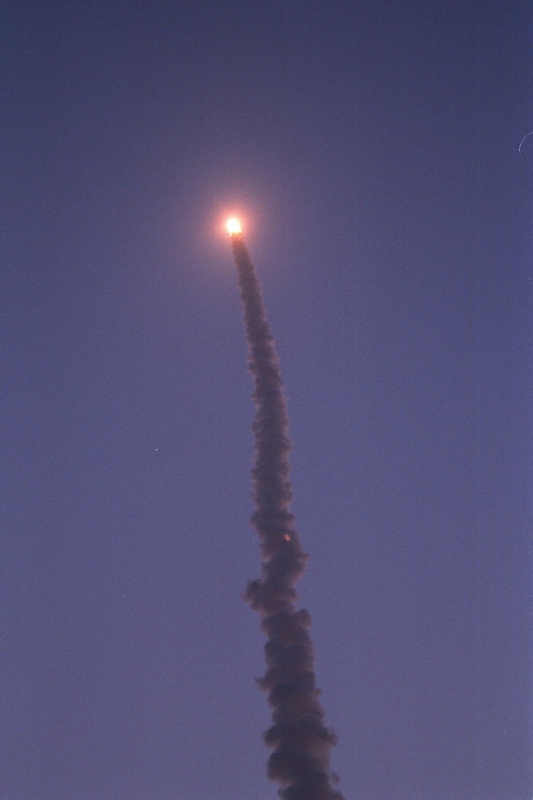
[(299, 739)]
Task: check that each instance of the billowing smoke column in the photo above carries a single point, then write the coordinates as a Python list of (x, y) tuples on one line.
[(299, 739)]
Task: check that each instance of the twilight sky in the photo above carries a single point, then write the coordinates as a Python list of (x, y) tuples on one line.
[(372, 150)]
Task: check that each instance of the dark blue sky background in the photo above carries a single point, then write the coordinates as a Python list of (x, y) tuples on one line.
[(372, 149)]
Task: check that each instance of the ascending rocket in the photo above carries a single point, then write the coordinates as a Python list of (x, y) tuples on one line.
[(233, 226)]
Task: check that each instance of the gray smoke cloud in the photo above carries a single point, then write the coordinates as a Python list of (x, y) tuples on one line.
[(300, 741)]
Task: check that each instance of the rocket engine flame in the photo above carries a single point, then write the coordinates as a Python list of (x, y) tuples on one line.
[(233, 226)]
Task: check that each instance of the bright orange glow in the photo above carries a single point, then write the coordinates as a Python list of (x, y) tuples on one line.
[(233, 226)]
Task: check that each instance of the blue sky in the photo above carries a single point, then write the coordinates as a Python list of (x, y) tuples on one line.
[(372, 151)]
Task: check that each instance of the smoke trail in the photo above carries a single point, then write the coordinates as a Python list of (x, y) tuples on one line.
[(299, 739)]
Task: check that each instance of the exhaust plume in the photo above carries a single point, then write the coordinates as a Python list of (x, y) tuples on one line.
[(300, 741)]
